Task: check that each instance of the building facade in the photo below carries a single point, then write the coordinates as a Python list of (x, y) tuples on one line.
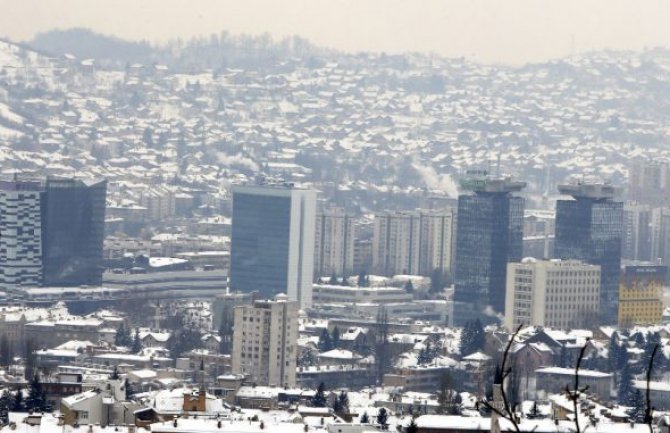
[(51, 232), (559, 294), (334, 243), (415, 243), (265, 341), (73, 228), (272, 245), (637, 233), (489, 235), (20, 234), (589, 228), (641, 295)]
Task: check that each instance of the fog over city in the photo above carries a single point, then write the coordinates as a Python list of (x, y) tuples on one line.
[(334, 216)]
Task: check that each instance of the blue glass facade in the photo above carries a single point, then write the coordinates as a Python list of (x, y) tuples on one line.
[(590, 230), (489, 235), (260, 244), (73, 225)]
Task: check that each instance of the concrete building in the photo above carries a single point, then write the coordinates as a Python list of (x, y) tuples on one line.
[(641, 295), (637, 233), (660, 235), (265, 341), (272, 246), (589, 228), (333, 294), (649, 182), (489, 235), (20, 234), (555, 380), (551, 293), (413, 243), (334, 243)]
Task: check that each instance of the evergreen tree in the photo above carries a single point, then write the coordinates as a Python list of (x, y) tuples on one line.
[(122, 338), (653, 340), (325, 343), (382, 418), (5, 403), (115, 374), (614, 352), (36, 400), (129, 390), (342, 402), (17, 402), (306, 359), (335, 338), (319, 399), (473, 338), (625, 389), (637, 407), (333, 280), (412, 427), (436, 281), (137, 343), (365, 418), (409, 287)]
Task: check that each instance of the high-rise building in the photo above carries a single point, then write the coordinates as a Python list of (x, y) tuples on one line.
[(334, 243), (641, 295), (73, 228), (395, 243), (272, 245), (51, 232), (553, 293), (636, 235), (20, 234), (660, 235), (649, 183), (589, 228), (489, 235), (265, 340), (413, 242)]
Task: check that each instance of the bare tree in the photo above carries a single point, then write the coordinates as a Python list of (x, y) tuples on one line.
[(648, 413), (507, 411)]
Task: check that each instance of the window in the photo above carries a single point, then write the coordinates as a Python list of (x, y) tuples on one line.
[(83, 414)]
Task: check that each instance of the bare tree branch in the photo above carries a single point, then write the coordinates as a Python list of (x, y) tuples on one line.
[(648, 418), (508, 412), (575, 393)]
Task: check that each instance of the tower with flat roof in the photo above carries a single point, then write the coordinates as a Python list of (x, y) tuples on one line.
[(589, 228), (489, 234), (272, 245)]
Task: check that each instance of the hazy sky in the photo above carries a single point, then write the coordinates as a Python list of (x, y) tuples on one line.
[(510, 31)]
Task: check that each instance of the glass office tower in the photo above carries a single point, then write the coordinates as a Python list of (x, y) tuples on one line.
[(489, 234), (73, 225), (589, 228), (272, 245)]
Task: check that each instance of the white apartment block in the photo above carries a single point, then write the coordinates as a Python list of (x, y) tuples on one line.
[(265, 341), (553, 293), (334, 243), (20, 235), (413, 242)]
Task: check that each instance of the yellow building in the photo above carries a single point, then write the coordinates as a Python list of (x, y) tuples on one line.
[(641, 295)]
